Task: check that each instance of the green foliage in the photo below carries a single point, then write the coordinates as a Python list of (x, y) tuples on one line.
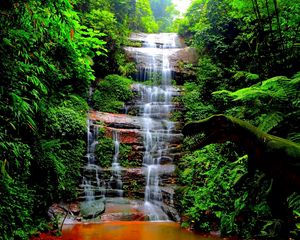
[(45, 75), (195, 108), (111, 93), (16, 202), (59, 167), (266, 102), (64, 122), (248, 59), (15, 209), (213, 193), (105, 152), (76, 103), (261, 33), (215, 197), (294, 204), (164, 11), (144, 18), (105, 21)]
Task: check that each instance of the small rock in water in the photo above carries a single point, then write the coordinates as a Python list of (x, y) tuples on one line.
[(92, 209), (74, 208)]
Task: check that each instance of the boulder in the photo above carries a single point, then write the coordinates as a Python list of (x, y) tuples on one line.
[(92, 209)]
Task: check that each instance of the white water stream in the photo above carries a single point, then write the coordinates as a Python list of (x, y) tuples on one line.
[(116, 178), (156, 106)]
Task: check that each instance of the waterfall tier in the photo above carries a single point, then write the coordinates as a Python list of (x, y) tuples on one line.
[(147, 188)]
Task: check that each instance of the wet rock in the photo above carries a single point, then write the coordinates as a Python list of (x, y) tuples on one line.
[(182, 57), (64, 213), (112, 119), (171, 212), (74, 208), (92, 209), (127, 136)]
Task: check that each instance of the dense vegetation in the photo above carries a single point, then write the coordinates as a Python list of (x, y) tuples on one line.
[(111, 94), (51, 53), (248, 68)]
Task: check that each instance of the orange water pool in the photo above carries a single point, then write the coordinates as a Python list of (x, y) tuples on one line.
[(130, 231)]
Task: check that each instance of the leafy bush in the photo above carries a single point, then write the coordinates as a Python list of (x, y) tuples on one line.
[(240, 44), (265, 103), (16, 199), (111, 93), (195, 107), (75, 102), (216, 196), (59, 167), (63, 122)]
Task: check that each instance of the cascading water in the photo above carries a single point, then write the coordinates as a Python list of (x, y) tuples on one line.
[(156, 106), (153, 138), (116, 178), (92, 185)]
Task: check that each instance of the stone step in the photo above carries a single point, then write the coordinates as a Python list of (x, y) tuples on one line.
[(84, 198)]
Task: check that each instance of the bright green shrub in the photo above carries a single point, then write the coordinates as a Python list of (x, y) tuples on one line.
[(76, 103), (111, 93), (66, 123), (195, 108)]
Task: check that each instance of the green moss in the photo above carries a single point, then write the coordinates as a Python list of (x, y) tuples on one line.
[(111, 93), (176, 116), (133, 188), (126, 162), (105, 152), (132, 43)]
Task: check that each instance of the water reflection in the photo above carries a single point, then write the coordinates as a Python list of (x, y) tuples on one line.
[(130, 231)]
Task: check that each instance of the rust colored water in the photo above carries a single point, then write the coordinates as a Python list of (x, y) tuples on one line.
[(130, 231)]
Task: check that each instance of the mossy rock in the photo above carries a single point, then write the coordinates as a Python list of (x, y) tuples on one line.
[(92, 209)]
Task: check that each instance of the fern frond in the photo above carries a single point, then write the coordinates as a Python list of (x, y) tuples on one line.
[(46, 144), (249, 94), (247, 75), (294, 201), (269, 121), (294, 137), (222, 92), (297, 75), (273, 88), (275, 83)]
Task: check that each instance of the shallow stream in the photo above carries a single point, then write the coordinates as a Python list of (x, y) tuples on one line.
[(131, 230)]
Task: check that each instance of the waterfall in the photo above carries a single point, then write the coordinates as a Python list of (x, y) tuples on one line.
[(143, 188), (156, 106), (92, 185), (116, 178)]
